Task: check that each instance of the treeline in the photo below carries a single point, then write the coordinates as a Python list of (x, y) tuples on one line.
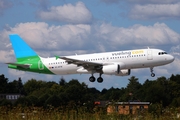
[(73, 94)]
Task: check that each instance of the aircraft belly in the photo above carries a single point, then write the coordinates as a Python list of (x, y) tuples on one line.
[(138, 63), (145, 63), (64, 70)]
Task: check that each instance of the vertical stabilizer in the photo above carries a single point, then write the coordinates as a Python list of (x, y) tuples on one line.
[(21, 49)]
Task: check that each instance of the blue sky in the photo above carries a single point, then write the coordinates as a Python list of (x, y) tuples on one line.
[(67, 27)]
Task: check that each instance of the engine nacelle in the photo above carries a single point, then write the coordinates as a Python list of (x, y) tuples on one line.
[(115, 69), (124, 72)]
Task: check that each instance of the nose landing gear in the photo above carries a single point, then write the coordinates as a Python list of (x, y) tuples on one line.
[(152, 74)]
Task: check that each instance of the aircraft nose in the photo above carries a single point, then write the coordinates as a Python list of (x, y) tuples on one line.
[(171, 58)]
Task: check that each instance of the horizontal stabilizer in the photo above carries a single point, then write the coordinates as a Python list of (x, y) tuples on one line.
[(20, 65)]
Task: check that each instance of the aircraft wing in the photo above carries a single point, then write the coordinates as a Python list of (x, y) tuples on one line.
[(86, 64), (20, 65)]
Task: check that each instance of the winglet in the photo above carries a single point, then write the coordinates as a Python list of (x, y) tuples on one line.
[(57, 57)]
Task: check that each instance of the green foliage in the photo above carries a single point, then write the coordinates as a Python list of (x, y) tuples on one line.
[(176, 102), (5, 102), (42, 99), (3, 84), (15, 86), (53, 100), (33, 85), (23, 102), (74, 94)]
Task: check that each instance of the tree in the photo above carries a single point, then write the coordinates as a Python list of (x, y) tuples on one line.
[(33, 100), (33, 85), (175, 78), (15, 86), (20, 86), (55, 89), (53, 101), (62, 81), (176, 102), (157, 91), (22, 101), (133, 88), (42, 99), (3, 84), (5, 102)]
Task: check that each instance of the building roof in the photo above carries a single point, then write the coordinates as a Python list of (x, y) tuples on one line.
[(130, 103)]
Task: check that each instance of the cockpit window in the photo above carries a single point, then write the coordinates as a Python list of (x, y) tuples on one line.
[(162, 53)]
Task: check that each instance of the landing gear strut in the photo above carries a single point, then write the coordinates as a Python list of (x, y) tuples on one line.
[(152, 74), (100, 79)]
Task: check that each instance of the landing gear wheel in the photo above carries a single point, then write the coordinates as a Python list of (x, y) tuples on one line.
[(92, 79), (100, 79), (152, 74)]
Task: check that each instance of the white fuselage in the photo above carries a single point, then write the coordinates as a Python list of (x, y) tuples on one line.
[(129, 59)]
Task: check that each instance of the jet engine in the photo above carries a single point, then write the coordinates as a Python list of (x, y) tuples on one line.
[(115, 69), (124, 72)]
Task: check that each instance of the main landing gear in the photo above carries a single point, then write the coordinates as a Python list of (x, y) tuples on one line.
[(92, 79), (99, 79), (152, 74)]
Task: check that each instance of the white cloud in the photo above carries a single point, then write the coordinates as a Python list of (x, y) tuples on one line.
[(141, 1), (75, 14), (16, 72), (158, 34), (6, 56), (41, 35), (155, 11), (175, 50), (70, 39), (172, 68), (110, 1), (57, 40), (152, 1)]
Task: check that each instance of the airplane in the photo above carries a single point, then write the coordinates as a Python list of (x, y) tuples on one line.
[(117, 63)]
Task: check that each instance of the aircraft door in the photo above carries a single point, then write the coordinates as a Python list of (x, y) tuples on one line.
[(149, 55)]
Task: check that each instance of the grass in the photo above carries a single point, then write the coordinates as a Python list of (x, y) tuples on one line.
[(38, 113)]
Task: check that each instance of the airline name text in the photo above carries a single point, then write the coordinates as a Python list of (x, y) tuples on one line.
[(137, 52), (128, 52), (122, 53)]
